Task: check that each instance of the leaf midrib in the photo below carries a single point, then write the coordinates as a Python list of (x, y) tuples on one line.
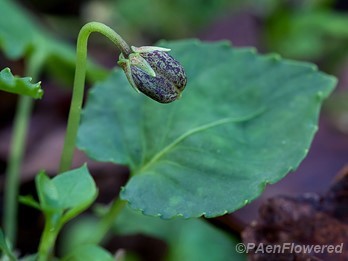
[(193, 131)]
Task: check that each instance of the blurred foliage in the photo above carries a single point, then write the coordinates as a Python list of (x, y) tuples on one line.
[(305, 29), (310, 30), (157, 19), (171, 18), (23, 36), (5, 249), (186, 239), (300, 29), (337, 108), (88, 252)]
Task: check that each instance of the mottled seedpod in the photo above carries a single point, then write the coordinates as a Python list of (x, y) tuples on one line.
[(152, 71)]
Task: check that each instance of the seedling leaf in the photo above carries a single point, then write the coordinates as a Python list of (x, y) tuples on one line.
[(67, 194), (47, 193), (17, 85), (75, 187)]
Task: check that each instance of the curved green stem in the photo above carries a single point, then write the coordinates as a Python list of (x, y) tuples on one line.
[(75, 112), (79, 82), (17, 147)]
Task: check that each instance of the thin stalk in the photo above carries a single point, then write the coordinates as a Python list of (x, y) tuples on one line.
[(17, 148), (23, 113), (79, 84), (75, 112), (48, 238), (107, 221)]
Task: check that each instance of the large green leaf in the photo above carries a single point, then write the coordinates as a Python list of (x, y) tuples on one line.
[(245, 120), (21, 35), (18, 85)]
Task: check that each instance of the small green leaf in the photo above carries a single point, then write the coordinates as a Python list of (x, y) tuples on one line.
[(75, 187), (5, 248), (22, 86), (244, 120), (68, 193), (29, 201), (76, 190), (88, 253), (47, 193)]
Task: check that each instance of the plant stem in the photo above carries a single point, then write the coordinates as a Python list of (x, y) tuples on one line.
[(107, 221), (14, 165), (79, 82), (48, 238), (75, 112), (17, 147)]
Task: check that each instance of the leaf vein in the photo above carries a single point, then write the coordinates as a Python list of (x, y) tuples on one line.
[(197, 130)]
